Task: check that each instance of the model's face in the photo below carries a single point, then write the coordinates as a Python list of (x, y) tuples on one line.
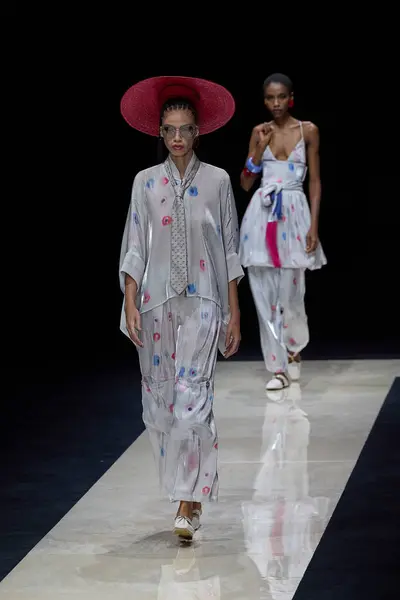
[(179, 131), (276, 99)]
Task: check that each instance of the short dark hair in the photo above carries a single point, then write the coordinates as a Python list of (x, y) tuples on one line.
[(178, 104), (279, 78)]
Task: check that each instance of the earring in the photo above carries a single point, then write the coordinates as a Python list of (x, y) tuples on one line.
[(291, 103)]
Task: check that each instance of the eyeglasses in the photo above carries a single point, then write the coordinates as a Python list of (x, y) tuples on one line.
[(187, 132)]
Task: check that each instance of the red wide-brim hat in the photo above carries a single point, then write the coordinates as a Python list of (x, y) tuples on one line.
[(142, 103)]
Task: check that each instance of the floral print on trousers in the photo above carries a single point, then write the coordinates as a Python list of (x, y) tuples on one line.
[(279, 299), (177, 362)]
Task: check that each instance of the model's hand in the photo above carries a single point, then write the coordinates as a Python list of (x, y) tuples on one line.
[(133, 324), (232, 336), (312, 240), (263, 134)]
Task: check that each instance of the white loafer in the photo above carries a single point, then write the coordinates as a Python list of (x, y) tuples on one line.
[(184, 528)]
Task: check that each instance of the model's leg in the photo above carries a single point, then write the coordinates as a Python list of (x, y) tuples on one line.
[(193, 448), (265, 285), (178, 363), (157, 364), (296, 332)]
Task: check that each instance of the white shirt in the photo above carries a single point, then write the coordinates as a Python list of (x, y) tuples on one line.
[(212, 236)]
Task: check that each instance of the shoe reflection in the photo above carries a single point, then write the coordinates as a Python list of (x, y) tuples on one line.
[(282, 521), (182, 579)]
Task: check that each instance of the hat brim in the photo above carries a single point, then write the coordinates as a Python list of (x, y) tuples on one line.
[(142, 103)]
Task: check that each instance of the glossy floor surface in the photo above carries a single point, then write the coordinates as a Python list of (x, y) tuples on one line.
[(285, 462)]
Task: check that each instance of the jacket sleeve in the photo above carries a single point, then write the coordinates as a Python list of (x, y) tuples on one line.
[(230, 230), (133, 256)]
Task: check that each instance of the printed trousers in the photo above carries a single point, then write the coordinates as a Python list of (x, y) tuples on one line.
[(278, 295), (178, 363)]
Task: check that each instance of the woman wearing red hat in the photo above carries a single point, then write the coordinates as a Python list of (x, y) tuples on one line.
[(179, 270)]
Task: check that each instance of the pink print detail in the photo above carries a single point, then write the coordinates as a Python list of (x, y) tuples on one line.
[(193, 462), (171, 408), (169, 316), (167, 220), (274, 357), (148, 389), (272, 246), (292, 207), (156, 337), (285, 326), (298, 238), (273, 307), (284, 218), (294, 281), (279, 181), (202, 265), (206, 490), (292, 342), (173, 356), (216, 446), (146, 298), (165, 180)]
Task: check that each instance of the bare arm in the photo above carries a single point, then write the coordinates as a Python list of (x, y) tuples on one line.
[(314, 173), (132, 315), (234, 268), (233, 335), (259, 140), (131, 288), (234, 299)]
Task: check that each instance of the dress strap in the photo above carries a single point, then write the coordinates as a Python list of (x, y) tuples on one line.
[(301, 129)]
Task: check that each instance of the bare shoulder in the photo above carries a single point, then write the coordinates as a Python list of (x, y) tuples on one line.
[(257, 128), (311, 131)]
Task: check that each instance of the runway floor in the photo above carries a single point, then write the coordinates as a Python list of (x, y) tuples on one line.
[(304, 476)]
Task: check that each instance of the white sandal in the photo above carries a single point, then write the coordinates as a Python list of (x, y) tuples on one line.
[(278, 382)]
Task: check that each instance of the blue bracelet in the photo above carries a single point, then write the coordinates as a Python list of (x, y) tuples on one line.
[(252, 167)]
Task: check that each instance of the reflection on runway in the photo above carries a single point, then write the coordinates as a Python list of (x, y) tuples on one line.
[(284, 462), (182, 580), (279, 520)]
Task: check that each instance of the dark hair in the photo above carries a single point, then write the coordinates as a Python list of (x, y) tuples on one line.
[(178, 104), (279, 78), (173, 104)]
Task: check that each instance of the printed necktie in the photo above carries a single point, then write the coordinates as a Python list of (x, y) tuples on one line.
[(179, 256)]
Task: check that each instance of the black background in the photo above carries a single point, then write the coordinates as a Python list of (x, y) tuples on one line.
[(73, 160)]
